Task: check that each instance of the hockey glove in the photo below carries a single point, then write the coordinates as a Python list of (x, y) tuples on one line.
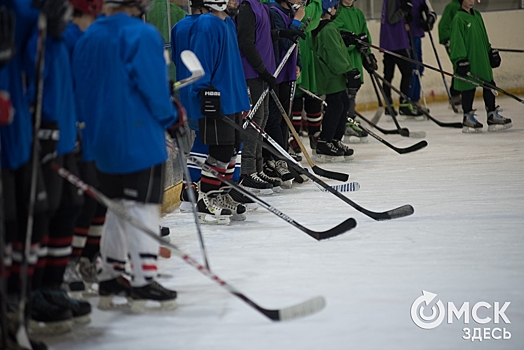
[(269, 79), (178, 126), (353, 77), (7, 36), (48, 136), (58, 14), (369, 62), (291, 34), (211, 104), (447, 45), (463, 67), (361, 46), (406, 5), (349, 38), (6, 108), (494, 58)]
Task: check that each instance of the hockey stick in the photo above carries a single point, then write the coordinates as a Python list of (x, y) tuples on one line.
[(417, 72), (400, 130), (494, 88), (456, 76), (380, 110), (384, 131), (509, 50), (193, 65), (306, 308), (422, 110), (317, 170), (277, 151), (318, 235), (413, 148), (192, 197), (345, 187), (21, 334), (441, 72), (310, 94), (292, 97)]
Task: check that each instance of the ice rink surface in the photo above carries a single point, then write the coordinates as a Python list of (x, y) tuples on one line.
[(465, 243)]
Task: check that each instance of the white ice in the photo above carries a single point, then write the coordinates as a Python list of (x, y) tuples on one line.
[(464, 243)]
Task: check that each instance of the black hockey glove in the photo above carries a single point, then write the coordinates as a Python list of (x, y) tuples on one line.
[(269, 79), (369, 62), (48, 136), (428, 24), (178, 126), (349, 38), (361, 46), (58, 14), (7, 36), (494, 58), (211, 104), (353, 77), (291, 34), (463, 67), (406, 5)]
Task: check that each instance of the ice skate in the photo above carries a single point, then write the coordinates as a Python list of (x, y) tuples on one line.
[(313, 140), (48, 318), (348, 152), (408, 110), (88, 272), (238, 209), (73, 281), (108, 290), (81, 310), (245, 201), (139, 296), (470, 124), (275, 181), (211, 208), (456, 104), (185, 204), (279, 169), (497, 122), (254, 184), (354, 134), (293, 144), (328, 152)]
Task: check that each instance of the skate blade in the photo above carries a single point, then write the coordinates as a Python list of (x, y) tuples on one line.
[(355, 139), (251, 206), (287, 184), (239, 217), (259, 191), (210, 219), (50, 328), (470, 130), (321, 158), (348, 159), (277, 189), (499, 127), (141, 306), (107, 303), (186, 207), (82, 319)]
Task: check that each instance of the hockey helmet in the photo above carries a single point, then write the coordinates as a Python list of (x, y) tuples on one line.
[(218, 5), (196, 3), (329, 5), (90, 7)]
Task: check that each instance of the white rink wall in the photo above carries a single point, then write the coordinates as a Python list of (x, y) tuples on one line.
[(504, 31)]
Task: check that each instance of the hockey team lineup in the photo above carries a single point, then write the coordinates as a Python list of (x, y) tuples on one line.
[(255, 102)]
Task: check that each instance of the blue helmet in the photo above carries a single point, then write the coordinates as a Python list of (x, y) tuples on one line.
[(328, 5)]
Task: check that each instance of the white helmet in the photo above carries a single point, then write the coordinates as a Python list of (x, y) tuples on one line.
[(143, 5), (218, 5)]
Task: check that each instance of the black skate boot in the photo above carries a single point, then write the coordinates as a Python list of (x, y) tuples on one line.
[(237, 209), (254, 184), (88, 272), (329, 152), (72, 278), (139, 296), (245, 201), (456, 104), (294, 145), (275, 181), (313, 140), (81, 309), (407, 109), (348, 152), (185, 204), (498, 122), (107, 290), (211, 208), (470, 124), (279, 169), (46, 317)]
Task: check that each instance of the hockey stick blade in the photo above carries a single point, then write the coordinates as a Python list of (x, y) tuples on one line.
[(330, 174), (300, 310), (193, 65), (347, 187), (306, 308), (318, 235)]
